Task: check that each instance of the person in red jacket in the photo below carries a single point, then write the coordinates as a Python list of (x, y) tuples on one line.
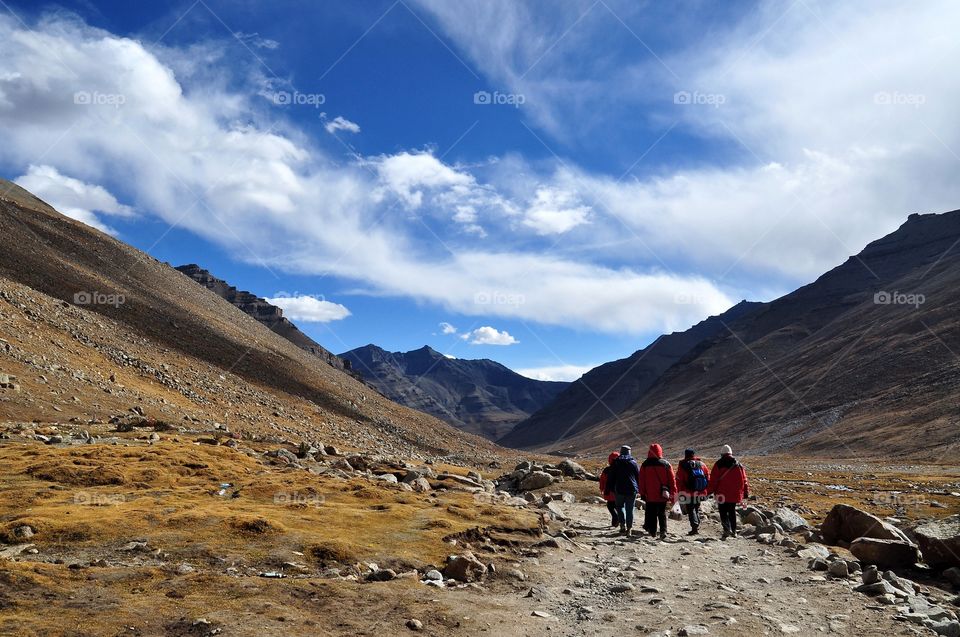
[(693, 480), (606, 488), (729, 485), (658, 488)]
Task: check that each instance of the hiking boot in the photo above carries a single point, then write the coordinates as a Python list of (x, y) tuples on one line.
[(694, 532), (733, 534), (629, 532), (614, 523), (663, 535), (725, 535), (623, 529)]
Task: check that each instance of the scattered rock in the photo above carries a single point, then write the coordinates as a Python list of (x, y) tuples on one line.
[(414, 624), (698, 629), (465, 568), (839, 568), (622, 587)]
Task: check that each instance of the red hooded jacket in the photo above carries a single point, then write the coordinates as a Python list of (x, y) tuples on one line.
[(683, 479), (655, 474), (728, 481), (608, 494)]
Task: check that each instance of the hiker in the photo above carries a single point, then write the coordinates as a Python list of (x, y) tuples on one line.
[(606, 488), (658, 488), (625, 479), (728, 484), (693, 479)]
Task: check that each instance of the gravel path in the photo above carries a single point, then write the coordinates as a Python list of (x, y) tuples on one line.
[(604, 584)]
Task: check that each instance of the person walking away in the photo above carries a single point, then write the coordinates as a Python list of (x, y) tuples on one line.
[(606, 488), (658, 488), (693, 480), (625, 476), (729, 485)]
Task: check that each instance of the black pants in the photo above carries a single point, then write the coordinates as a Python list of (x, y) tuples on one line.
[(693, 512), (728, 516), (653, 513), (612, 508)]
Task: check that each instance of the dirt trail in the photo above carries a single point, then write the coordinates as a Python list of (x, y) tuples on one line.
[(683, 582)]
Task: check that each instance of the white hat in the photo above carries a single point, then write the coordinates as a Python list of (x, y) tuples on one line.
[(727, 451)]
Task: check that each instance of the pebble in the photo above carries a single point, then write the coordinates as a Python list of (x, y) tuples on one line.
[(415, 624)]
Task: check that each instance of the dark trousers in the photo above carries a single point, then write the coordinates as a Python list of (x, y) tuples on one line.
[(612, 508), (692, 506), (626, 503), (728, 516), (654, 513)]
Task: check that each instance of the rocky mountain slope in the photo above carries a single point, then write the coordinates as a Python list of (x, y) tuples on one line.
[(92, 328), (261, 310), (861, 361), (479, 396), (610, 388)]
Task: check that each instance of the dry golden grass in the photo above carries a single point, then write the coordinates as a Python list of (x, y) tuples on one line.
[(86, 502)]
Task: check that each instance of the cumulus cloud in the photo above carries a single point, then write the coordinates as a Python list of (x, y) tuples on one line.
[(310, 309), (446, 328), (74, 198), (489, 336), (566, 373), (341, 123)]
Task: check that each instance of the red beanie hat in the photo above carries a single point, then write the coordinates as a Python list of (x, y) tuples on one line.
[(656, 451)]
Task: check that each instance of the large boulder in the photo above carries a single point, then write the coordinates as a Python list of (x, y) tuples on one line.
[(536, 480), (940, 542), (571, 469), (465, 568), (845, 523), (789, 519), (885, 553)]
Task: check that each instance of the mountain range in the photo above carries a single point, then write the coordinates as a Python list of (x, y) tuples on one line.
[(478, 396), (93, 329), (864, 360)]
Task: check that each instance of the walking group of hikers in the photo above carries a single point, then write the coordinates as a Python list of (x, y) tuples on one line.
[(656, 483)]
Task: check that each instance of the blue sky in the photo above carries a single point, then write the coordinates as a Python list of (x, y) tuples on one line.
[(550, 185)]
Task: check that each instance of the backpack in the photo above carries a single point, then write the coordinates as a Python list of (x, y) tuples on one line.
[(697, 477)]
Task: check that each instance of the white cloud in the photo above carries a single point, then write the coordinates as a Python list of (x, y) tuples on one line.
[(186, 147), (74, 198), (310, 309), (556, 372), (817, 148), (340, 123), (555, 211), (489, 336), (254, 39), (446, 328)]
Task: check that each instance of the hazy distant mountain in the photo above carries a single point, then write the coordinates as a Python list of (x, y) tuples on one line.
[(479, 396), (862, 361)]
